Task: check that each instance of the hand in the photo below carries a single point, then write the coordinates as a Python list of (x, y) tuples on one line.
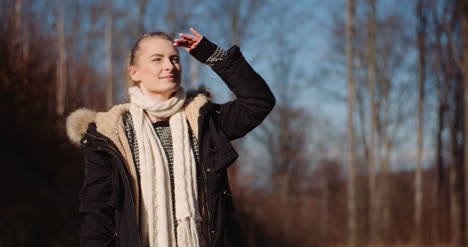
[(188, 41)]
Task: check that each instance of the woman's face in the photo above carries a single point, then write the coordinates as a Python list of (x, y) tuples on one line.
[(157, 69)]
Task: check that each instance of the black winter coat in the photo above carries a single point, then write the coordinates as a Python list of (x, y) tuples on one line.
[(107, 207)]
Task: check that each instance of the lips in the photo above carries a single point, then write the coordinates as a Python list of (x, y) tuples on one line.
[(171, 77)]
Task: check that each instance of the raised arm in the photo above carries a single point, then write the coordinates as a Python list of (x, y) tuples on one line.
[(254, 99)]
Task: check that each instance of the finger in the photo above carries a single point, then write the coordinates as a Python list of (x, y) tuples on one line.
[(195, 32), (182, 42), (189, 37), (182, 45)]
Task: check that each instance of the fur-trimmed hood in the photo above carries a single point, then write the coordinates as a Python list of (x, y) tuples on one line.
[(108, 123)]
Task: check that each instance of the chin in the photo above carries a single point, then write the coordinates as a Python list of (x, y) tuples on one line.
[(173, 89), (176, 86), (163, 87)]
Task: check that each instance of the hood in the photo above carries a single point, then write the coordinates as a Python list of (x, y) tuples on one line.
[(108, 123)]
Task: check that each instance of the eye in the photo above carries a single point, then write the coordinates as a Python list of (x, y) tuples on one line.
[(157, 59), (175, 59)]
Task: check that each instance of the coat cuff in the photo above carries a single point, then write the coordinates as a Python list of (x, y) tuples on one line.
[(208, 53)]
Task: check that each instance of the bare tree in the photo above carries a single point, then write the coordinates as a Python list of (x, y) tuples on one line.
[(18, 16), (420, 32), (457, 74), (464, 26), (61, 65), (456, 167), (108, 55), (21, 34), (284, 133), (391, 110), (240, 13), (351, 181), (142, 5), (372, 29), (442, 85), (456, 130), (236, 19)]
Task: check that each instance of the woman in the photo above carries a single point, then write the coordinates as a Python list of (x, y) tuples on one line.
[(156, 168)]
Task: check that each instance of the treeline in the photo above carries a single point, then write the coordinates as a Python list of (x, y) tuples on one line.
[(396, 175)]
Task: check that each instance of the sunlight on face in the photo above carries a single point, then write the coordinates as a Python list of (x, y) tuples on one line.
[(157, 69)]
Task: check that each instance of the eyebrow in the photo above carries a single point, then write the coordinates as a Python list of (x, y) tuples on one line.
[(161, 55)]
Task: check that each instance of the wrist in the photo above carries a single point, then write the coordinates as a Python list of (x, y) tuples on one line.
[(208, 53), (203, 50)]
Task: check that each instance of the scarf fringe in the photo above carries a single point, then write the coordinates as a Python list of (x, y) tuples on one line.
[(187, 233)]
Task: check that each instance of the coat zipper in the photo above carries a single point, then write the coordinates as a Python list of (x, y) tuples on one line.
[(206, 203), (206, 191), (116, 153), (200, 127)]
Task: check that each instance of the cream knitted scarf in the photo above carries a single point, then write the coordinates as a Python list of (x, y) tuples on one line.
[(156, 221)]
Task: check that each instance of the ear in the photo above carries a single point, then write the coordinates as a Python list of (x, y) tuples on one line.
[(133, 72)]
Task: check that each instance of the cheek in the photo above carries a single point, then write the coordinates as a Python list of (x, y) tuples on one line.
[(151, 69)]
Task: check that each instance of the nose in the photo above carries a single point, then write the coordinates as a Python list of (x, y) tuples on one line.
[(168, 65)]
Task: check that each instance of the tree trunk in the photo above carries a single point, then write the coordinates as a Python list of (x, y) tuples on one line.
[(61, 66), (351, 181), (456, 220), (141, 16), (18, 25), (382, 193), (21, 37), (455, 211), (441, 196), (108, 50), (284, 197), (446, 215), (324, 198), (373, 216), (464, 21), (418, 174), (234, 21), (171, 18)]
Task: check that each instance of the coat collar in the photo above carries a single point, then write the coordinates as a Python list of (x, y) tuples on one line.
[(110, 123)]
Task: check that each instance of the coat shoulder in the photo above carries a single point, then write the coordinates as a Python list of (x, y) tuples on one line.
[(201, 91), (196, 98), (77, 122)]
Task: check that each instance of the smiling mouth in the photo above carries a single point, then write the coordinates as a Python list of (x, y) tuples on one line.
[(171, 77)]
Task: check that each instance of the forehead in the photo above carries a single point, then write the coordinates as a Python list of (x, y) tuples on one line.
[(156, 45)]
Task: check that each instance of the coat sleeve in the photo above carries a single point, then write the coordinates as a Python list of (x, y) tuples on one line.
[(254, 99), (97, 221)]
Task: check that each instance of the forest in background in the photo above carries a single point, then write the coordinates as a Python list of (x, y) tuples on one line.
[(385, 167)]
